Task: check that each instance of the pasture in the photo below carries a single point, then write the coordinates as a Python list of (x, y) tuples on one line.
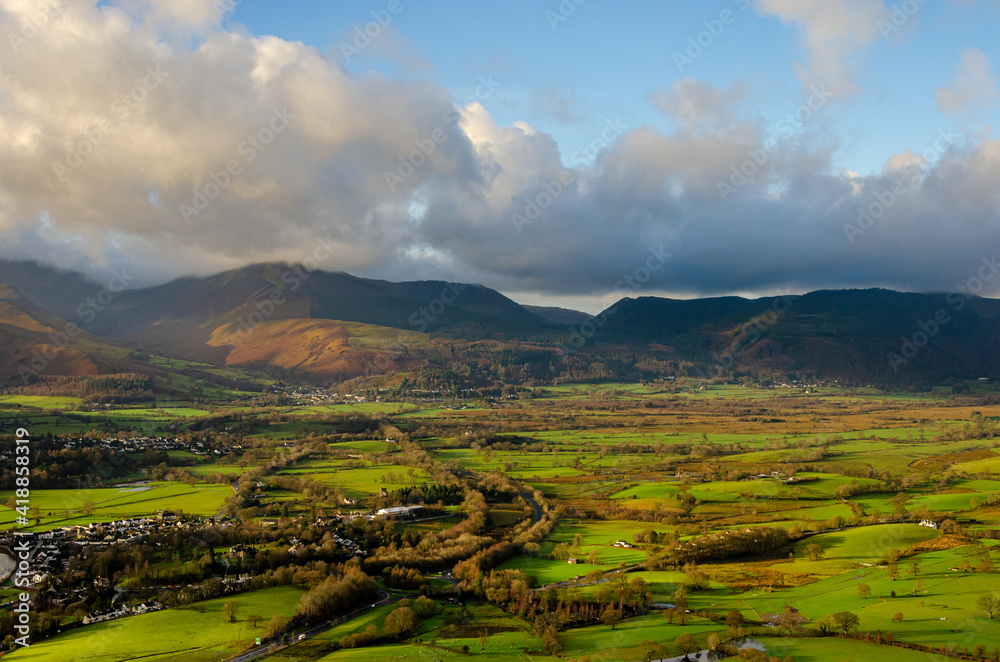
[(171, 635)]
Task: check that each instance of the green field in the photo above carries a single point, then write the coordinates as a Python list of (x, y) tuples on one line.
[(171, 635), (65, 507)]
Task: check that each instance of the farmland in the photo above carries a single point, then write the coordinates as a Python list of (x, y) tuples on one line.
[(881, 505)]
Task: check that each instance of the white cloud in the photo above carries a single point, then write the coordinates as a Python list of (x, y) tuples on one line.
[(832, 32), (455, 176), (695, 104), (975, 84)]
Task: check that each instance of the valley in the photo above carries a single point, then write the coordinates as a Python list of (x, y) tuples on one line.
[(653, 518)]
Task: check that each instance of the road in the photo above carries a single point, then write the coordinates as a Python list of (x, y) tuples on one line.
[(264, 651), (535, 505), (386, 599)]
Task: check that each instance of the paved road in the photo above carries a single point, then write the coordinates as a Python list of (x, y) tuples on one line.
[(264, 651), (535, 505)]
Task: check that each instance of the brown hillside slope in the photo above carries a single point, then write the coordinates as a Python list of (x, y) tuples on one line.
[(35, 340), (314, 346)]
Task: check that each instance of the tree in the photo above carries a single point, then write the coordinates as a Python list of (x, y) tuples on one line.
[(846, 621), (898, 617), (892, 570), (276, 625), (648, 649), (734, 619), (686, 643), (825, 625), (988, 603), (814, 552), (594, 557), (696, 580), (229, 610), (611, 616), (425, 607), (400, 623), (550, 641), (713, 641), (864, 590), (254, 620), (88, 507)]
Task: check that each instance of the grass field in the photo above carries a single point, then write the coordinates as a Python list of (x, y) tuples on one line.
[(617, 459), (65, 507), (171, 635)]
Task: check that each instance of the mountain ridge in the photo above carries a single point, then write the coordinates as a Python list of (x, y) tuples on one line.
[(335, 326)]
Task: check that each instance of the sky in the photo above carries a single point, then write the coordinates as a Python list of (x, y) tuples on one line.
[(563, 152)]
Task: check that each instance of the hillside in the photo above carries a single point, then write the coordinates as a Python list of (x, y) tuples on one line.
[(36, 341), (314, 347), (851, 335), (327, 326)]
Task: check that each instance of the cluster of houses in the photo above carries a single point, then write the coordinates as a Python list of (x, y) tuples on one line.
[(131, 530), (46, 556), (140, 444), (315, 396), (120, 611), (349, 545)]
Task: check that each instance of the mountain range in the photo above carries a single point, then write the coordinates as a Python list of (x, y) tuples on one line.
[(331, 327)]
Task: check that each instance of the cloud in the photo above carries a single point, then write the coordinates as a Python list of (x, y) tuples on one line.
[(109, 129), (695, 104), (179, 14), (975, 85), (832, 32)]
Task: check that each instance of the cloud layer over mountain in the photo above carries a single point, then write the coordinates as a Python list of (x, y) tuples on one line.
[(158, 136)]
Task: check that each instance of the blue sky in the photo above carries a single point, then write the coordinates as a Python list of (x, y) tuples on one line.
[(546, 149), (604, 60)]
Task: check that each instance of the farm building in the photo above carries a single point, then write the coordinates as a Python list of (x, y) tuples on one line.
[(400, 511)]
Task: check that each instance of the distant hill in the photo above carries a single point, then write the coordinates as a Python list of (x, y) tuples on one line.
[(852, 335), (36, 341), (328, 326), (560, 316)]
